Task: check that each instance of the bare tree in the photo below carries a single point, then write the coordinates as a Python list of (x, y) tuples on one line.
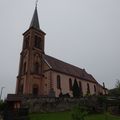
[(117, 85)]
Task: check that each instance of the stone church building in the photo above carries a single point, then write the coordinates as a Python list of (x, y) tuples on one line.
[(43, 75)]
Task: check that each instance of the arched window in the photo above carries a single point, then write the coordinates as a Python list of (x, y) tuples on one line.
[(70, 84), (21, 89), (24, 68), (35, 90), (94, 88), (88, 88), (26, 43), (37, 42), (36, 68), (80, 86), (58, 82)]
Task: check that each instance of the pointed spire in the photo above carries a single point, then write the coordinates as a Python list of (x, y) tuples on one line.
[(35, 20)]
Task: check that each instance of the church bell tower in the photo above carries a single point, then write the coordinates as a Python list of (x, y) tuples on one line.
[(30, 75)]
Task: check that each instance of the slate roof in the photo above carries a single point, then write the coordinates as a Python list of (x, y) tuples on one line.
[(35, 21), (63, 67)]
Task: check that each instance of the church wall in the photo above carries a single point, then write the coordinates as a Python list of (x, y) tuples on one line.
[(101, 90), (46, 78), (29, 82), (91, 85), (35, 80), (51, 76), (84, 86), (65, 84), (46, 66), (46, 82)]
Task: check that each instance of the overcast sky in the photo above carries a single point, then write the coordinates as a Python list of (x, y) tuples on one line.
[(85, 33)]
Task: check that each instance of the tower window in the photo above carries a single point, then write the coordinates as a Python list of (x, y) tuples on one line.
[(58, 82), (26, 43), (21, 89), (70, 84), (37, 68), (24, 68), (37, 42)]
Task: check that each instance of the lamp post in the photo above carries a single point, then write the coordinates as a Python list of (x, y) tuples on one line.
[(1, 92)]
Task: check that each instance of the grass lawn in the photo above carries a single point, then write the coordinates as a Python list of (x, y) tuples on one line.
[(67, 116), (52, 116), (102, 117)]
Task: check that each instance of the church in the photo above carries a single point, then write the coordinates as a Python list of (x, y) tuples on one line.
[(43, 75)]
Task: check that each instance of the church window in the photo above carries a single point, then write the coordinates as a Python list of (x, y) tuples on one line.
[(80, 86), (37, 42), (58, 82), (70, 84), (88, 88), (94, 88)]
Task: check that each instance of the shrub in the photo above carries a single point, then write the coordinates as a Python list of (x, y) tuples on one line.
[(2, 104), (79, 113)]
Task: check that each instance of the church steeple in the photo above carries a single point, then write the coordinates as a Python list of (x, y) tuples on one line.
[(35, 21), (29, 80)]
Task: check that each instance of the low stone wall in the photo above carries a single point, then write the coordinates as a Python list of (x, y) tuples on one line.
[(40, 104), (50, 104)]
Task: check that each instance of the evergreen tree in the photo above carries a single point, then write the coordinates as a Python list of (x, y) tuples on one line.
[(76, 89)]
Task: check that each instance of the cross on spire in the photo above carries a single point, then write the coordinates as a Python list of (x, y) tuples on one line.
[(36, 3)]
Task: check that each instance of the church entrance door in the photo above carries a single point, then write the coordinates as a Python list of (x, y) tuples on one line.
[(35, 90)]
